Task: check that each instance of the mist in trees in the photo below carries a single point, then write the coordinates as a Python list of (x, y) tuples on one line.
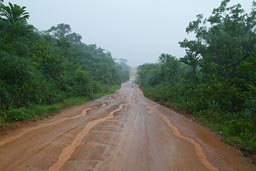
[(45, 67), (215, 80)]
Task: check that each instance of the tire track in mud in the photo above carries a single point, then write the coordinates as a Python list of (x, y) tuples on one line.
[(199, 151), (8, 140), (70, 149)]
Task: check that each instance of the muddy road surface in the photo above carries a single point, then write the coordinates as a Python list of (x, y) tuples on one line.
[(120, 132)]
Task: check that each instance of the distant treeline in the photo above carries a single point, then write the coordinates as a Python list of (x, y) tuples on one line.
[(49, 66), (216, 79)]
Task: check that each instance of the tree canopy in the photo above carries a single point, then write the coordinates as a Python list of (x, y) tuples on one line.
[(215, 80), (48, 66)]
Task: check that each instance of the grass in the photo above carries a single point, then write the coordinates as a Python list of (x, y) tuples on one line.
[(233, 127), (34, 111)]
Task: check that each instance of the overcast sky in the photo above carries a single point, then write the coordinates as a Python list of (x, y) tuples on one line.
[(137, 30)]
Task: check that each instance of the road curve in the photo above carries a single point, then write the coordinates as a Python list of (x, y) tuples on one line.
[(120, 132)]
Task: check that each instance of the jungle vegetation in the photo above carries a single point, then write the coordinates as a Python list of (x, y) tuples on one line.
[(216, 80), (41, 68)]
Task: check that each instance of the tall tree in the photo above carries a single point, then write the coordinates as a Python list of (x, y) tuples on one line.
[(13, 19), (13, 13), (60, 31)]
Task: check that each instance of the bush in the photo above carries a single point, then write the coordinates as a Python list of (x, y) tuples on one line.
[(18, 114)]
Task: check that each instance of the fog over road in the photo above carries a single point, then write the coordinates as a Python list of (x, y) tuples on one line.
[(120, 132)]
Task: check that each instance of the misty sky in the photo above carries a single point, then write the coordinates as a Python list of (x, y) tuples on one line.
[(137, 30)]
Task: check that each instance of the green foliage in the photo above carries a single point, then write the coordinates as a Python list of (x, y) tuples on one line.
[(19, 114), (13, 21), (13, 13), (44, 68), (215, 80)]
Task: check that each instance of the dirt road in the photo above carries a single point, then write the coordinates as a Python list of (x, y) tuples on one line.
[(121, 132)]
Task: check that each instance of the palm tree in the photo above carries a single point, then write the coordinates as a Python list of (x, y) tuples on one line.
[(13, 13), (13, 20)]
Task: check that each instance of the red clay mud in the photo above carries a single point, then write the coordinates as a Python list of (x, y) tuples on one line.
[(121, 132)]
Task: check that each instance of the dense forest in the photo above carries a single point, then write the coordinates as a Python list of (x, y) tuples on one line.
[(216, 79), (41, 68)]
